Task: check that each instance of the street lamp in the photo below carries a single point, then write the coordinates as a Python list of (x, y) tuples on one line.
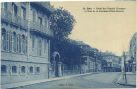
[(124, 72)]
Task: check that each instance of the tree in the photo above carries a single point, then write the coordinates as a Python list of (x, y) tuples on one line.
[(62, 23)]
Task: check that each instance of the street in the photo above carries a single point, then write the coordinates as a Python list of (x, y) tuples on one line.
[(99, 80)]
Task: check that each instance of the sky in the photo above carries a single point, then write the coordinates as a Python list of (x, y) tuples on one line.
[(106, 31)]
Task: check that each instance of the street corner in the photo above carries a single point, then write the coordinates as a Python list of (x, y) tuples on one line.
[(130, 80)]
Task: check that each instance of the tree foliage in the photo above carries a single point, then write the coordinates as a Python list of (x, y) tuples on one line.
[(70, 53), (62, 23)]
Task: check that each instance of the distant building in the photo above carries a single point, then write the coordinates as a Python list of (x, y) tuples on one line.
[(133, 51), (128, 63), (92, 64), (113, 63), (25, 37), (89, 65)]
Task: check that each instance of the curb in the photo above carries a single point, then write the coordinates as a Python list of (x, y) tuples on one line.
[(21, 84), (127, 84), (117, 82)]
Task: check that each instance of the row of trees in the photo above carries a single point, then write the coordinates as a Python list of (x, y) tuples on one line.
[(62, 22)]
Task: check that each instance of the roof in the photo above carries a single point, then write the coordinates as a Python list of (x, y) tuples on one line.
[(44, 5)]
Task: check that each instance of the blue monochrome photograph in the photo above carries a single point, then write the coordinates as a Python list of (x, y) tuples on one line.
[(68, 44)]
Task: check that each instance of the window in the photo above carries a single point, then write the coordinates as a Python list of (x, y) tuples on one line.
[(31, 69), (3, 69), (34, 16), (39, 47), (7, 41), (10, 42), (24, 3), (14, 69), (110, 64), (5, 5), (20, 43), (14, 9), (23, 44), (45, 45), (14, 42), (40, 20), (46, 22), (33, 41), (17, 43), (23, 13), (37, 69), (23, 69), (3, 38)]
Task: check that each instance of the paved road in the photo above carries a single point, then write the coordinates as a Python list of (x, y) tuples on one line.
[(100, 80)]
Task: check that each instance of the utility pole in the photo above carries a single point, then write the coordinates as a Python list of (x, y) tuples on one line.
[(80, 66), (124, 72), (95, 61), (95, 64)]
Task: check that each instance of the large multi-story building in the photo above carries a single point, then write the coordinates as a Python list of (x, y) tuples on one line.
[(113, 62), (25, 37)]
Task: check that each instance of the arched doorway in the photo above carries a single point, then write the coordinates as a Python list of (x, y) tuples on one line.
[(57, 64)]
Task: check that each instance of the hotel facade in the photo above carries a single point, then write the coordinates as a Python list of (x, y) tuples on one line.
[(113, 63), (25, 41)]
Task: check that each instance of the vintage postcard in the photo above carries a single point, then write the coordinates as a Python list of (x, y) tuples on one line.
[(68, 44)]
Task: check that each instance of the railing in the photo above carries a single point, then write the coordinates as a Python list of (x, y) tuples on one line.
[(7, 16), (24, 23), (70, 72), (16, 20), (36, 27), (46, 5)]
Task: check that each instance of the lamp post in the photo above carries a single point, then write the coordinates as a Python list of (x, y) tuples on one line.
[(124, 72)]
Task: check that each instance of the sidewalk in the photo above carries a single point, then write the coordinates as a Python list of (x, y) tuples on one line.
[(131, 79), (19, 84)]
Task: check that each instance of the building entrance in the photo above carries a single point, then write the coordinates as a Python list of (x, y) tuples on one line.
[(57, 65)]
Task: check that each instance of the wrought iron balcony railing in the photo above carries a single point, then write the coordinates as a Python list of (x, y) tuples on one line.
[(7, 16), (24, 23), (36, 27), (15, 20)]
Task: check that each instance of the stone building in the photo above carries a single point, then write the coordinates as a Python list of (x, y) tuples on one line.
[(25, 37), (113, 63), (92, 63), (89, 65), (133, 51)]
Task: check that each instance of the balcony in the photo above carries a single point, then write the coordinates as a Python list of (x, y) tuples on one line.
[(44, 5), (5, 15), (24, 23), (15, 20), (40, 29)]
